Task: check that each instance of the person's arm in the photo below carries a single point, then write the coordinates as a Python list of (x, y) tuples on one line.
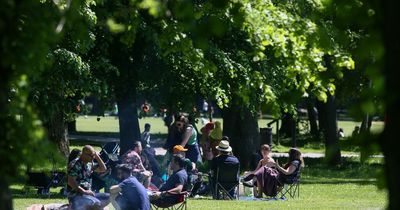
[(186, 136), (258, 166), (115, 189), (74, 185), (287, 171), (102, 167)]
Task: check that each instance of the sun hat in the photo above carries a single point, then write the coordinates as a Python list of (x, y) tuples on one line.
[(179, 148), (224, 146), (216, 133)]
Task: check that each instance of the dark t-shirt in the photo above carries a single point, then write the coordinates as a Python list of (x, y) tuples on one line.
[(134, 194), (179, 177), (223, 159), (291, 177)]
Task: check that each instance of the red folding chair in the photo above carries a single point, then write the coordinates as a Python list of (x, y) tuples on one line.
[(179, 204)]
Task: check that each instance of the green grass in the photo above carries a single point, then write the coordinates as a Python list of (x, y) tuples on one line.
[(110, 124), (353, 185)]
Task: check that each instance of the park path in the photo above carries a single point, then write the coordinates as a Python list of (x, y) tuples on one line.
[(157, 144)]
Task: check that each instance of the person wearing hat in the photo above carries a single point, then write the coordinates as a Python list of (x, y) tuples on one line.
[(179, 150), (205, 141), (215, 137), (225, 157)]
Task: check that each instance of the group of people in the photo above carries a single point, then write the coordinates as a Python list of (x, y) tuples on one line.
[(131, 192), (269, 176), (134, 189)]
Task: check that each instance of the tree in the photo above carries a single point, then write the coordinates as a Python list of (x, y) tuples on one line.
[(26, 36)]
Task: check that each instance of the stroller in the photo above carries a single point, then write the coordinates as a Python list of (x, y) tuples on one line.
[(109, 154), (43, 181)]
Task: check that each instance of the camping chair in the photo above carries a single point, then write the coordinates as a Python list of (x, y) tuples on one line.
[(226, 179), (179, 204), (292, 189)]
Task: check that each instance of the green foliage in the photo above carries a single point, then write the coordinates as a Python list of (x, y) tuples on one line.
[(30, 30), (25, 38), (61, 86)]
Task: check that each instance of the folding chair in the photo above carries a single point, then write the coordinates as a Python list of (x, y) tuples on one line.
[(226, 179), (292, 188), (179, 204)]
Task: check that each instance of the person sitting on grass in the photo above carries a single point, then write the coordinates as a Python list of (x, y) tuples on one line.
[(130, 193), (132, 157), (80, 195), (176, 183)]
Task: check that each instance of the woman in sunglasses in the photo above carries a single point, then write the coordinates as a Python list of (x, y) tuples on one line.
[(189, 138)]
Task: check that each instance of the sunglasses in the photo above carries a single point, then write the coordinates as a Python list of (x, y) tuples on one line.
[(179, 124)]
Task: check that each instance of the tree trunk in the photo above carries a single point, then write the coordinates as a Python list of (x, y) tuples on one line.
[(129, 130), (389, 140), (312, 117), (287, 126), (5, 195), (96, 108), (72, 127), (322, 118), (332, 149), (241, 126), (58, 133), (366, 124)]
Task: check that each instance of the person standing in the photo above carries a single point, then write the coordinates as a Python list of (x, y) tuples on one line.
[(205, 141), (189, 139), (145, 138), (80, 195), (149, 152), (130, 194), (215, 137)]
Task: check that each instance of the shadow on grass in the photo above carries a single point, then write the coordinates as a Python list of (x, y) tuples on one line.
[(31, 192), (350, 171), (342, 181), (157, 140)]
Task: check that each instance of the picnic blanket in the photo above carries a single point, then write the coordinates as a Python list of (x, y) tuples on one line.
[(51, 206), (251, 198)]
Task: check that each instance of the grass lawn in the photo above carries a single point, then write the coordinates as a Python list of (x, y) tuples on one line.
[(350, 186), (109, 126), (312, 196)]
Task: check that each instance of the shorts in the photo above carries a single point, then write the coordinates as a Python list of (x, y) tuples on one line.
[(193, 153)]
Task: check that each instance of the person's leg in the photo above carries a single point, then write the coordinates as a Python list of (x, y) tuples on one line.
[(85, 202), (114, 201), (104, 199)]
